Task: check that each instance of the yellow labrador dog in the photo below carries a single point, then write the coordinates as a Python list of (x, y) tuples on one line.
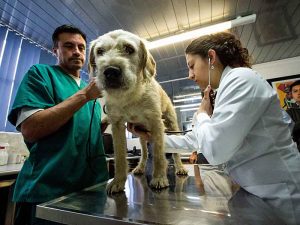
[(125, 70)]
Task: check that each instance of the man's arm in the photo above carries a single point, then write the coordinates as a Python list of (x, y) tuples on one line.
[(47, 121)]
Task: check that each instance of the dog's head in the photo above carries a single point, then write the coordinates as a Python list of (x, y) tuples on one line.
[(119, 60)]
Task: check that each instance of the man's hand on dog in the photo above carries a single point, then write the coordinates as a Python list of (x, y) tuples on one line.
[(92, 91), (139, 130)]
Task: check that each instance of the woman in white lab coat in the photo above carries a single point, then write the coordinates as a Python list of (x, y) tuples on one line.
[(246, 131)]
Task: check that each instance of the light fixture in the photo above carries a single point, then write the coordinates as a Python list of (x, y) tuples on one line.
[(190, 109), (186, 105), (187, 95), (187, 99), (239, 21)]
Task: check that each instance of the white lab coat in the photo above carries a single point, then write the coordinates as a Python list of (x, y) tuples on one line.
[(248, 134)]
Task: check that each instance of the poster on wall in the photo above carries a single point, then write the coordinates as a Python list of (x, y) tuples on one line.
[(288, 90)]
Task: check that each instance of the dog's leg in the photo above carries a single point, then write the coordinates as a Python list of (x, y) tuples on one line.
[(180, 170), (159, 178), (121, 167), (170, 122), (140, 169)]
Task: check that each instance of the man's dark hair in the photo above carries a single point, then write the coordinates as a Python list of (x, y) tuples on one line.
[(297, 82), (66, 29)]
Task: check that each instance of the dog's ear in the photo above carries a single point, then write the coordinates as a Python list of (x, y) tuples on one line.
[(148, 64), (92, 63)]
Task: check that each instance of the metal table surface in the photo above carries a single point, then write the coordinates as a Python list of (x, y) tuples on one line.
[(208, 197)]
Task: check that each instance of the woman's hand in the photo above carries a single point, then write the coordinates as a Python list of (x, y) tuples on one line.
[(193, 158), (139, 131), (205, 105)]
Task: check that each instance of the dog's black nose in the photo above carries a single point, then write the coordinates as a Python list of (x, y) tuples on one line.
[(112, 72)]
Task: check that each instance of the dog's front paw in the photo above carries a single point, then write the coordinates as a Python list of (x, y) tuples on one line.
[(139, 170), (181, 171), (159, 182), (116, 185)]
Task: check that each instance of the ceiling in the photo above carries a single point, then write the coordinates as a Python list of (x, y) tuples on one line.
[(274, 35)]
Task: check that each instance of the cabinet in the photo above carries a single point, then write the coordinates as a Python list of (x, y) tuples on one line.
[(8, 175)]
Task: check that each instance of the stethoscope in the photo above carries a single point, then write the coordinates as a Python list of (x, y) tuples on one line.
[(89, 157)]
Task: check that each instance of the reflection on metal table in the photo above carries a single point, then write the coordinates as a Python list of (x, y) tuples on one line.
[(208, 197)]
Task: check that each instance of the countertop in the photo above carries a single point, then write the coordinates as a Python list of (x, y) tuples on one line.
[(10, 169), (208, 197), (111, 157)]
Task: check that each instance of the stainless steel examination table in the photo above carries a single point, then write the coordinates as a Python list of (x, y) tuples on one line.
[(206, 197)]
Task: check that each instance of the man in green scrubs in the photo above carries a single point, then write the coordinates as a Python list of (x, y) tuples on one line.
[(53, 109)]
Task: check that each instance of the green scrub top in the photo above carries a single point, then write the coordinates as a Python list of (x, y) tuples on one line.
[(58, 164)]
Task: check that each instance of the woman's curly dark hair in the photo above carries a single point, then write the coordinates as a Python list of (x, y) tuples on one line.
[(228, 48)]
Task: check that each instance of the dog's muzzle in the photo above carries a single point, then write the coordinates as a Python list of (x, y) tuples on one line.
[(113, 77)]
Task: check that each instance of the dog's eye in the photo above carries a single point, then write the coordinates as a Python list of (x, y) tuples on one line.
[(100, 51), (129, 49)]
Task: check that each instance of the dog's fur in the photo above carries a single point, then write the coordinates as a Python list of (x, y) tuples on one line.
[(125, 70)]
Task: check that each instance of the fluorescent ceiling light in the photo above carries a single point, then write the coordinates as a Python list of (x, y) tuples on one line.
[(186, 105), (187, 95), (190, 109), (187, 99), (239, 21)]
